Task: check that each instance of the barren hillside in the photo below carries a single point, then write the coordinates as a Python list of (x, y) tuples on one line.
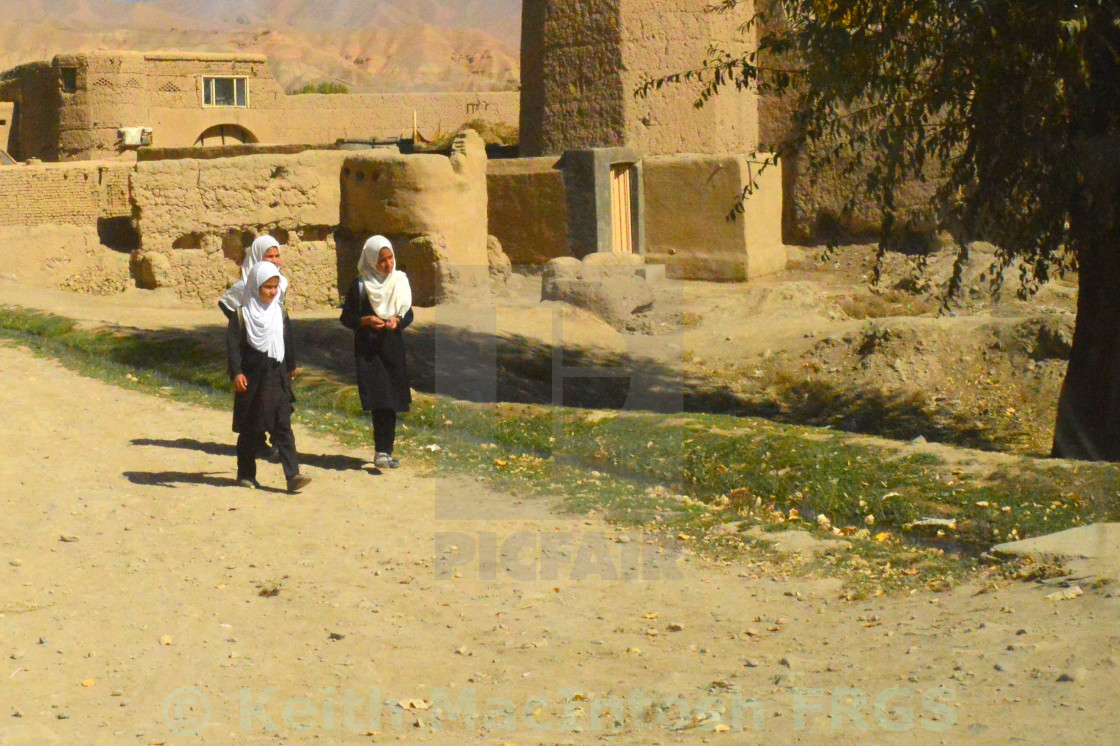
[(385, 45)]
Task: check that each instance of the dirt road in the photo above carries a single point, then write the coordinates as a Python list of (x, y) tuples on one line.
[(146, 600)]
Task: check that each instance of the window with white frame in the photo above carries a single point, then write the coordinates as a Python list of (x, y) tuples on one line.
[(225, 91)]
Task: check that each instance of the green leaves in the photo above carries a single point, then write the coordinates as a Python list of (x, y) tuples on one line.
[(986, 99)]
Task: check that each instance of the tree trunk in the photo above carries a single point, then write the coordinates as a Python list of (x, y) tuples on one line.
[(1088, 425)]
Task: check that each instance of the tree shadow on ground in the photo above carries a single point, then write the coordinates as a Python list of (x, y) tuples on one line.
[(900, 415), (490, 367), (486, 368)]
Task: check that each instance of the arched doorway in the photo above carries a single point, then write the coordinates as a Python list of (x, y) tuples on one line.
[(225, 134)]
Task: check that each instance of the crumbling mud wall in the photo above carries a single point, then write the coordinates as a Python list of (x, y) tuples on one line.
[(196, 217), (432, 207), (582, 62), (64, 225), (528, 209)]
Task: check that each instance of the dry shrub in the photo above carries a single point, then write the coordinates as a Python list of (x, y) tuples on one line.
[(877, 305)]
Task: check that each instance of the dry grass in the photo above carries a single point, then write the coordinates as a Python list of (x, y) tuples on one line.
[(885, 304), (492, 133)]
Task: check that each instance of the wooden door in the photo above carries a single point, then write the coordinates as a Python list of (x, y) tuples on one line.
[(622, 223)]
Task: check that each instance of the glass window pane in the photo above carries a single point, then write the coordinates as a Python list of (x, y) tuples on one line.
[(207, 91), (223, 92), (240, 91)]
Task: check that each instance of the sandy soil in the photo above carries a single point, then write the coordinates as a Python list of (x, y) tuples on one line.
[(144, 599)]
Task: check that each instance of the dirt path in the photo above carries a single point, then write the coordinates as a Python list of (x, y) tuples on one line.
[(146, 600)]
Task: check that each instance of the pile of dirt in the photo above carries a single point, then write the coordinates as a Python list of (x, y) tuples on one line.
[(896, 359)]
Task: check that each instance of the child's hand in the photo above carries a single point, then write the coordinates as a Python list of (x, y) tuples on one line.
[(392, 322), (294, 374), (373, 322), (241, 384)]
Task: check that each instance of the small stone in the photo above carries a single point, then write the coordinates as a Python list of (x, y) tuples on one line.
[(1077, 675), (675, 627), (63, 716), (1004, 667), (15, 562), (793, 663), (751, 663), (1066, 594)]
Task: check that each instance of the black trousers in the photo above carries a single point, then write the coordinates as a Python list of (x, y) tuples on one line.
[(384, 430), (249, 445)]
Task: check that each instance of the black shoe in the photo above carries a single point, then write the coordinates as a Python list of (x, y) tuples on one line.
[(272, 454), (251, 484), (298, 482)]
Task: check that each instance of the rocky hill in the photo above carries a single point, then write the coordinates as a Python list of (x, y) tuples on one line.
[(378, 45)]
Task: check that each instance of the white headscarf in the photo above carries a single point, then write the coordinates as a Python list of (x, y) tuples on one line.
[(389, 295), (264, 323), (233, 298)]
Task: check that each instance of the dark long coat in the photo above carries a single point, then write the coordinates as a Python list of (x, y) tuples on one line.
[(378, 354), (269, 398)]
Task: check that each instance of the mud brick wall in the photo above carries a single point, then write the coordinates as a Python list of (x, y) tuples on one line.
[(196, 218), (528, 209), (164, 91), (64, 194)]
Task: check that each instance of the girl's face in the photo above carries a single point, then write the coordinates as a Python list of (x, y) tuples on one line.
[(272, 254), (385, 261), (269, 289)]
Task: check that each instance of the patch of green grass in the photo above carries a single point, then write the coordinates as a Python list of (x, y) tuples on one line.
[(681, 476)]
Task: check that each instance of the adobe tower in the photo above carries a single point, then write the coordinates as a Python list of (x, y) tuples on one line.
[(582, 61)]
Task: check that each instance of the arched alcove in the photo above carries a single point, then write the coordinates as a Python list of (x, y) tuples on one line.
[(225, 134)]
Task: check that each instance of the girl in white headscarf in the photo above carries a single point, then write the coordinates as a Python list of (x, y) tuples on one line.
[(261, 368), (378, 308), (264, 249)]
